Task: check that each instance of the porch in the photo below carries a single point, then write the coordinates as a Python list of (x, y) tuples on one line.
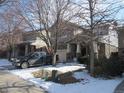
[(76, 50), (23, 49)]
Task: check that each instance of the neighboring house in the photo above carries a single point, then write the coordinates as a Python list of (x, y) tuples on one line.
[(30, 42), (21, 43)]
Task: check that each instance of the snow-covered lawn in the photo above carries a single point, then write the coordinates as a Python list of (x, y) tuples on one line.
[(87, 85)]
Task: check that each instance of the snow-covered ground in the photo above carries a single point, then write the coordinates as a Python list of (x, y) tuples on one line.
[(87, 85)]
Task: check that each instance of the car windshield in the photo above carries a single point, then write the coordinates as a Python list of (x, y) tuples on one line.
[(35, 55)]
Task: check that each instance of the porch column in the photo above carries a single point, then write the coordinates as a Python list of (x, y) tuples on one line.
[(68, 55), (78, 50), (32, 49), (68, 48), (26, 49), (96, 49)]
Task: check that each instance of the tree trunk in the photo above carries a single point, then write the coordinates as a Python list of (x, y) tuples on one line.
[(92, 58), (54, 59)]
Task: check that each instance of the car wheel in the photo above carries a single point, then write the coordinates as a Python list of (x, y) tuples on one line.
[(24, 65)]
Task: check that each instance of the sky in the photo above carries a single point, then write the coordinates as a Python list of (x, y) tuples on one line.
[(118, 16)]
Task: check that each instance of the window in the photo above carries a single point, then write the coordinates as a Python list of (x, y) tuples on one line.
[(35, 55)]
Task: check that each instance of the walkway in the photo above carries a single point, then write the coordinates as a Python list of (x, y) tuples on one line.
[(10, 83)]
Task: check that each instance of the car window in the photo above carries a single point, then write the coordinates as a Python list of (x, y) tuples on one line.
[(28, 55), (35, 55)]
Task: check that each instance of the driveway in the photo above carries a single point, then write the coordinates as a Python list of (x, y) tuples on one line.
[(10, 83), (6, 65)]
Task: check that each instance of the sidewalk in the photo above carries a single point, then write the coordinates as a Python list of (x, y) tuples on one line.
[(120, 88), (10, 83)]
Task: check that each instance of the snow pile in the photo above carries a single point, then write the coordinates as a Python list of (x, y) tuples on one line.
[(88, 84), (25, 73), (64, 69)]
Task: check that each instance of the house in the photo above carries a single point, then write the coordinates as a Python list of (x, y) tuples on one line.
[(76, 42), (21, 43), (72, 40), (67, 32)]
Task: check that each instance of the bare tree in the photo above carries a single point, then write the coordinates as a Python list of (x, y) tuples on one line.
[(10, 29), (94, 13), (42, 15), (7, 2)]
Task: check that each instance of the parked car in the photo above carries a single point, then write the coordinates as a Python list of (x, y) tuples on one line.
[(32, 59)]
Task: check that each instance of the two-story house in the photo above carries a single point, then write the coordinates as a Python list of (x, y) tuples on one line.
[(72, 41), (76, 41)]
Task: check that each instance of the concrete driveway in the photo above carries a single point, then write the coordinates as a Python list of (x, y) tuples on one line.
[(10, 83), (6, 65)]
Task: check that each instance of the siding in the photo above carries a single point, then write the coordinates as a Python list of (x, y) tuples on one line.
[(62, 55), (109, 49)]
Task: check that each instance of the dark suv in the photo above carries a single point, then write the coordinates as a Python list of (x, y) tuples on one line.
[(32, 59)]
